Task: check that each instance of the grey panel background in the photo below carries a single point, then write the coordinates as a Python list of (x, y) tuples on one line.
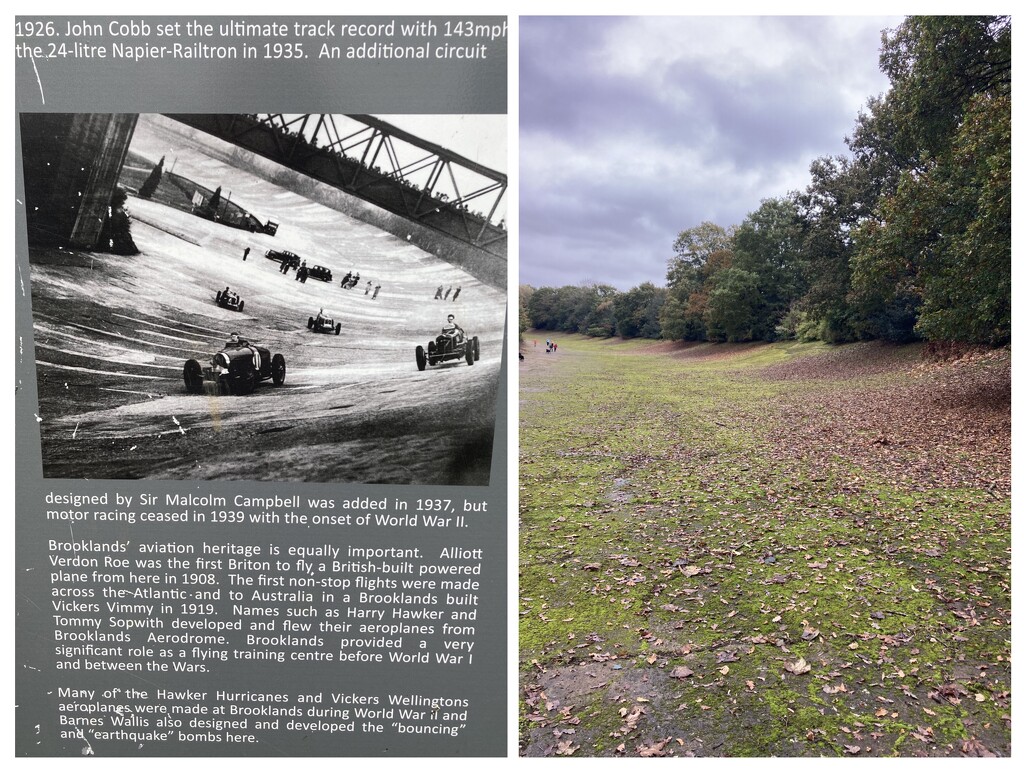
[(381, 87)]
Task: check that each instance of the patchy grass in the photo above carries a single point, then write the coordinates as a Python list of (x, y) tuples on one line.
[(763, 550)]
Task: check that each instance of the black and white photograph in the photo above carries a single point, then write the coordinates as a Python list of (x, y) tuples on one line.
[(291, 297)]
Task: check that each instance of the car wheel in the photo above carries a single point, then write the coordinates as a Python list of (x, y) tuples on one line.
[(309, 323), (193, 377), (476, 348), (218, 296), (469, 353), (421, 358), (241, 306), (277, 368)]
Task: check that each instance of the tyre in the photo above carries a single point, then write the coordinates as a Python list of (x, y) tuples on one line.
[(193, 377), (476, 348), (277, 369), (241, 306), (421, 358), (431, 353), (309, 323), (218, 295), (337, 329), (469, 353)]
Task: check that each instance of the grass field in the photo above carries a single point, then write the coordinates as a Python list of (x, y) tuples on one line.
[(755, 550)]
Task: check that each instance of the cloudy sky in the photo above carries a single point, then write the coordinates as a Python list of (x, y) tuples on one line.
[(635, 128)]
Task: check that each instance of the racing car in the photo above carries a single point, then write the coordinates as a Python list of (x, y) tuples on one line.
[(323, 325), (235, 370), (229, 300), (452, 345)]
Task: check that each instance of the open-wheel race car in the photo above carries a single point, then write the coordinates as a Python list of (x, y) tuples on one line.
[(449, 345), (321, 324), (229, 300), (235, 370)]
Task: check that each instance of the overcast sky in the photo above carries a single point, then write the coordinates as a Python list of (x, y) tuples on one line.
[(635, 128)]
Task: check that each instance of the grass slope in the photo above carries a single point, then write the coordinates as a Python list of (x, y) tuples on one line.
[(759, 550)]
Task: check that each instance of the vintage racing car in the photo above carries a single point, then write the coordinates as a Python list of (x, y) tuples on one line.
[(284, 257), (448, 346), (229, 300), (235, 370), (320, 273), (323, 325)]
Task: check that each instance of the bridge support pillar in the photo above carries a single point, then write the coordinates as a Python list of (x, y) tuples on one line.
[(71, 165)]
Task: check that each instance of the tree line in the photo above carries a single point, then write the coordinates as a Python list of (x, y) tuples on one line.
[(906, 237)]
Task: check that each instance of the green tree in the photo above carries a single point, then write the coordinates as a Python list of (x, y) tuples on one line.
[(734, 306), (682, 312), (636, 311), (768, 245), (938, 246), (149, 186), (841, 196), (525, 292)]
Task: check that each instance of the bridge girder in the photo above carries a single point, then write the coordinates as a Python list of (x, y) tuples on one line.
[(377, 162)]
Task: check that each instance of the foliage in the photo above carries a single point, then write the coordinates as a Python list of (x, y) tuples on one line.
[(938, 245), (525, 292), (768, 245), (636, 311), (735, 306), (694, 246), (575, 309), (149, 186)]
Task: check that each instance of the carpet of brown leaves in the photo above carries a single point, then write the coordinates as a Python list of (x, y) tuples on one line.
[(943, 422)]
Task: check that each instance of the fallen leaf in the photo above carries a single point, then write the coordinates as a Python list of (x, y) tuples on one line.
[(799, 667)]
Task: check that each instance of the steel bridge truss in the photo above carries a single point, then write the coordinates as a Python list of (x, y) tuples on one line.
[(379, 163)]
